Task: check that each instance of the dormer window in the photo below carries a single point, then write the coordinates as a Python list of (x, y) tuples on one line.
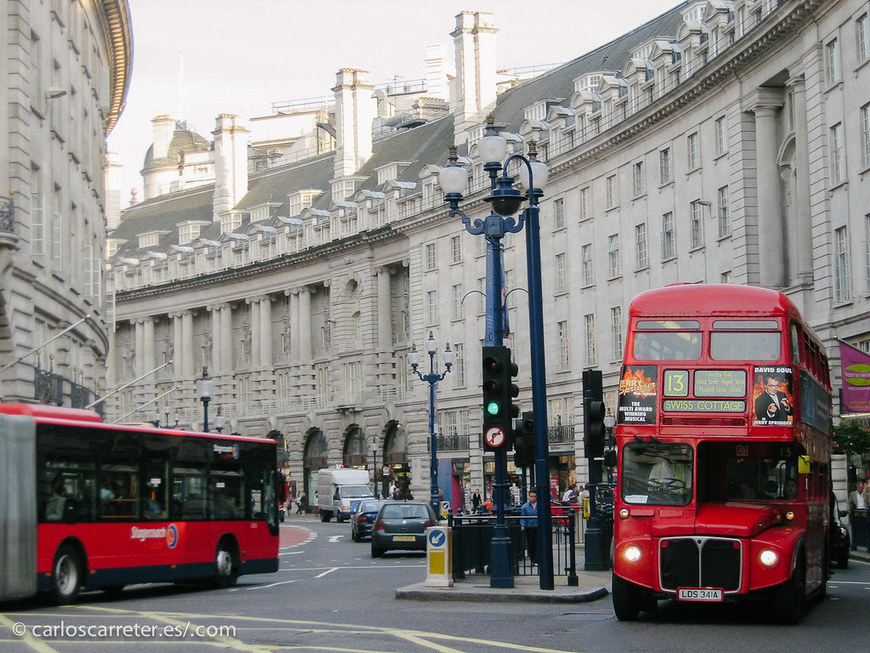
[(301, 200), (189, 231), (150, 239)]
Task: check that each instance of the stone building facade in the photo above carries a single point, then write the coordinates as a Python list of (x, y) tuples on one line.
[(724, 141), (67, 71)]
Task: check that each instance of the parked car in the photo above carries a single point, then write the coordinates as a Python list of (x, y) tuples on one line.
[(401, 525), (841, 541), (362, 518)]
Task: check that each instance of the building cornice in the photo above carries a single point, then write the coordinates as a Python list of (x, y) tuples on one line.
[(729, 65), (281, 263), (120, 44)]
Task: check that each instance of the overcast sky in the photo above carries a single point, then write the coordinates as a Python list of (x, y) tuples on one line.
[(195, 59)]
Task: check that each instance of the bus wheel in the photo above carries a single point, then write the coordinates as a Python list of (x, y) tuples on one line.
[(626, 599), (325, 516), (791, 595), (67, 575), (226, 567)]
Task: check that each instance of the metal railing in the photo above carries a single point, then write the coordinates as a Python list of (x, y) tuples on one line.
[(472, 535)]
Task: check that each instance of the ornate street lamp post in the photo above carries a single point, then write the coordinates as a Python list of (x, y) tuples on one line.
[(506, 201), (205, 390), (432, 378), (374, 452)]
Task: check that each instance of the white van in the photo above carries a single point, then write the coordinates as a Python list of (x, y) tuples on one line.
[(337, 489)]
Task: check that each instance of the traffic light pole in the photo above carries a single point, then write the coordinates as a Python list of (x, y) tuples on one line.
[(500, 569), (593, 422)]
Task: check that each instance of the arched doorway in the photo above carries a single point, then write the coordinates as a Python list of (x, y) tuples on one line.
[(314, 457), (396, 460), (354, 454)]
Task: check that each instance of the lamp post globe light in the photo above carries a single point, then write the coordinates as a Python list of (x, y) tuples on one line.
[(505, 201), (432, 378), (205, 390)]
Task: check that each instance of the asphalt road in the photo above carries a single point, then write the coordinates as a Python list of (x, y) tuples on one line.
[(330, 595)]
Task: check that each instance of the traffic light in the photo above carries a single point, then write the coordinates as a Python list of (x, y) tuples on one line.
[(524, 440), (498, 390), (593, 414)]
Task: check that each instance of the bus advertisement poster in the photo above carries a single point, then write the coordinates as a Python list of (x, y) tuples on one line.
[(773, 396), (637, 394)]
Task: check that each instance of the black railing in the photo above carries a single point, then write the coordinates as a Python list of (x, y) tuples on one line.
[(472, 535), (79, 395), (48, 388), (561, 434)]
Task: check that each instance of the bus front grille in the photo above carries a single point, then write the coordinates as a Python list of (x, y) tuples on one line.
[(699, 561)]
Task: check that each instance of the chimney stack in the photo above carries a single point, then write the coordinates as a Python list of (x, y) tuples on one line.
[(230, 163), (476, 81), (355, 109)]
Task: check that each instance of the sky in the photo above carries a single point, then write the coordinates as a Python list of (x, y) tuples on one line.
[(195, 59)]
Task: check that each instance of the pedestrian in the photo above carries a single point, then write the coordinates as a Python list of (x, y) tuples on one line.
[(300, 503), (475, 501), (529, 525)]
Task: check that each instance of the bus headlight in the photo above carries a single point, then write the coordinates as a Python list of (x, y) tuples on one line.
[(632, 553), (623, 513), (768, 558), (789, 516)]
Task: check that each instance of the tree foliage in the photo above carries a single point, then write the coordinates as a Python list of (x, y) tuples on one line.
[(851, 438)]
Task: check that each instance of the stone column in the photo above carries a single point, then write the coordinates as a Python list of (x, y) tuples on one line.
[(148, 344), (226, 341), (255, 332), (266, 332), (385, 322), (177, 346), (304, 325), (187, 346), (802, 259), (216, 360), (139, 335), (771, 246)]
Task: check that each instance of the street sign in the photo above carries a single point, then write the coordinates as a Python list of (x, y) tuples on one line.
[(495, 437)]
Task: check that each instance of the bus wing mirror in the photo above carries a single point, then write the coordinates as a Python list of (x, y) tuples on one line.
[(803, 464)]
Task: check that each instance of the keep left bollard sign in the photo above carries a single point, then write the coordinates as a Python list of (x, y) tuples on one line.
[(439, 556)]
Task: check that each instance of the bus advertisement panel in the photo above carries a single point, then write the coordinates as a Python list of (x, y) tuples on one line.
[(724, 443), (102, 506)]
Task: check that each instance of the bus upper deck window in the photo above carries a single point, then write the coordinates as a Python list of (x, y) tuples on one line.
[(755, 340), (660, 340)]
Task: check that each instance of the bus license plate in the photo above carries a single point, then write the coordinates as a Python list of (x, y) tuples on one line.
[(699, 594), (403, 538)]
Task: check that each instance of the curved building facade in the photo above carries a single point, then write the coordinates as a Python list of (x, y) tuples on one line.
[(720, 142), (68, 69)]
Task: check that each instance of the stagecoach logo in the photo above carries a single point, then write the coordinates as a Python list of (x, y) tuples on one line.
[(226, 451), (170, 534)]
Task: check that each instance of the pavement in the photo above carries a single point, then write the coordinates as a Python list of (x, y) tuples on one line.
[(591, 585)]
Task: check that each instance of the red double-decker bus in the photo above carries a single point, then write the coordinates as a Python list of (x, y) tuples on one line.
[(724, 445), (87, 504)]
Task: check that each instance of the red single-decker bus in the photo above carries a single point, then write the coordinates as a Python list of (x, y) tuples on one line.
[(93, 505)]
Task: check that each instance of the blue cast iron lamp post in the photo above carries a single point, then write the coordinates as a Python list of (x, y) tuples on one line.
[(505, 201), (205, 390), (432, 378)]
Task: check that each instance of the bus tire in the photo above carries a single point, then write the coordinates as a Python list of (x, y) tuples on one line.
[(626, 599), (325, 516), (790, 599), (226, 564), (67, 575)]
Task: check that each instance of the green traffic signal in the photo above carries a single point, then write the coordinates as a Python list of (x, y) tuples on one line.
[(492, 408)]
